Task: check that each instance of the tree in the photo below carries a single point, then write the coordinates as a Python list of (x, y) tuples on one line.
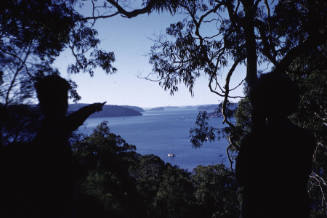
[(250, 33), (215, 191), (310, 74), (148, 174), (113, 180), (102, 161), (218, 37), (175, 194), (33, 34)]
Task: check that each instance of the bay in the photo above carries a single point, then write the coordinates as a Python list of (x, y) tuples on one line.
[(164, 132)]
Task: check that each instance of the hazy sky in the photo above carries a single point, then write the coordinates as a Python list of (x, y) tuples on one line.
[(130, 39)]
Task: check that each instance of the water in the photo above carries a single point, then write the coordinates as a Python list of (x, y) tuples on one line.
[(163, 132)]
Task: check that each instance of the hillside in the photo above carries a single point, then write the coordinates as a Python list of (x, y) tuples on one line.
[(110, 110), (139, 109)]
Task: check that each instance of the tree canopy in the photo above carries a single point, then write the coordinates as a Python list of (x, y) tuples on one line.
[(33, 34), (216, 38), (221, 38)]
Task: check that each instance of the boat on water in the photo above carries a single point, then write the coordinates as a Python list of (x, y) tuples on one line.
[(171, 155)]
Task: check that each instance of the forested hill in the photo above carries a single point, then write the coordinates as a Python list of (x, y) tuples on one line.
[(111, 110)]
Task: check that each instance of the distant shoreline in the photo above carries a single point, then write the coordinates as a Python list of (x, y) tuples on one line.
[(110, 110)]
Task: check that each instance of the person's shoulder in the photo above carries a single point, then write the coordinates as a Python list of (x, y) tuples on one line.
[(246, 140), (303, 133), (305, 137), (251, 140)]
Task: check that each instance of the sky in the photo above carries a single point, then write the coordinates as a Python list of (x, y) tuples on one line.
[(130, 40)]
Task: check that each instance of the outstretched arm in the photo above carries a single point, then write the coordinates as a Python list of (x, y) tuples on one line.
[(78, 117)]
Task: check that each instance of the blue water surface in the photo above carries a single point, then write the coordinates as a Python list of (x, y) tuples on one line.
[(163, 132)]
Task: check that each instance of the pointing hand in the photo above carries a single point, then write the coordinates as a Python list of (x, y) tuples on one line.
[(98, 106)]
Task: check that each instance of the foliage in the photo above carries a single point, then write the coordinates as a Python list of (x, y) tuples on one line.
[(202, 132), (310, 75), (116, 181), (29, 45), (189, 50), (103, 171), (174, 197), (217, 37), (33, 33), (21, 123), (215, 191), (220, 35)]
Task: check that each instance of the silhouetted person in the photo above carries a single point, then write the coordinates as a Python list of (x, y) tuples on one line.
[(51, 156), (275, 159), (2, 117)]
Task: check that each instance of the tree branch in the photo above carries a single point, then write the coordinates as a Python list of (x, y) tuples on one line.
[(12, 83), (212, 89), (130, 14), (228, 77), (268, 8), (100, 16), (238, 85), (267, 48), (297, 51)]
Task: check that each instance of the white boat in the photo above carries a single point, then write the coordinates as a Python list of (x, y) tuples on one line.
[(171, 155)]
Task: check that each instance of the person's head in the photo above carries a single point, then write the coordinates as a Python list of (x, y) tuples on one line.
[(275, 95), (52, 92)]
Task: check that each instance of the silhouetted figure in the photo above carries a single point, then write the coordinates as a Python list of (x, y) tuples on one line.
[(50, 156), (2, 117), (275, 159)]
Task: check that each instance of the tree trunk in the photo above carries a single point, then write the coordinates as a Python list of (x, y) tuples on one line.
[(251, 52)]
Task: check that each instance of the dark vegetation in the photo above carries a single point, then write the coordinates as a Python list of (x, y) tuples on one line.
[(115, 181), (110, 178)]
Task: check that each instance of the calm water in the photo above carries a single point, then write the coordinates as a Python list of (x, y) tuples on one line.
[(163, 132)]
